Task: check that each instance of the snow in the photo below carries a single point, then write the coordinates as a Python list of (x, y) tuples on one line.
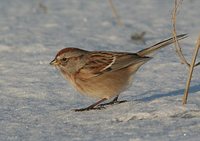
[(35, 101)]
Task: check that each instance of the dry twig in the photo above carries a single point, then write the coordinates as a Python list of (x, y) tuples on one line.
[(177, 45), (180, 54), (115, 14), (191, 70)]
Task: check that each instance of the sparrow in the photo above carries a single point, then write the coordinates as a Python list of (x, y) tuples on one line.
[(103, 74)]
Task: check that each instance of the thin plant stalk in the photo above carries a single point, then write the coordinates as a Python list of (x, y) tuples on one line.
[(191, 71), (115, 14), (176, 43)]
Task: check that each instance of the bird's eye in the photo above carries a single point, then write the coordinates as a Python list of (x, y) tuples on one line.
[(64, 59)]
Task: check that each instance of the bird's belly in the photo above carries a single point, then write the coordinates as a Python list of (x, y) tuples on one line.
[(106, 85)]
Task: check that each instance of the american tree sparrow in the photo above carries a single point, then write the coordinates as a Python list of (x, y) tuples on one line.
[(103, 74)]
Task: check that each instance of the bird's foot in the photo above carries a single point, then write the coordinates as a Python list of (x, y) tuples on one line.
[(112, 103), (89, 108)]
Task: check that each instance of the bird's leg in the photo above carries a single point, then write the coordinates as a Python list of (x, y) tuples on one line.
[(114, 101), (92, 107)]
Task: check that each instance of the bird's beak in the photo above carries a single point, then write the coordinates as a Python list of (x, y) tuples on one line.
[(54, 62)]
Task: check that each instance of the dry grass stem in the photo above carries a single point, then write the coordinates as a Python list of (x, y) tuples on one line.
[(177, 45), (115, 14), (191, 70)]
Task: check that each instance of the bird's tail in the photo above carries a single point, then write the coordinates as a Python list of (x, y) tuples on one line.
[(160, 45)]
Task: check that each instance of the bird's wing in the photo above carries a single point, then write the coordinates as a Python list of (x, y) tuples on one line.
[(126, 59), (98, 63)]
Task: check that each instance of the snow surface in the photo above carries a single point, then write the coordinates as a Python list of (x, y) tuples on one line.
[(36, 102)]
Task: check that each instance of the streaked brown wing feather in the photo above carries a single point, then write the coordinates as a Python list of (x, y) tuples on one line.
[(96, 63), (102, 62), (126, 59)]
